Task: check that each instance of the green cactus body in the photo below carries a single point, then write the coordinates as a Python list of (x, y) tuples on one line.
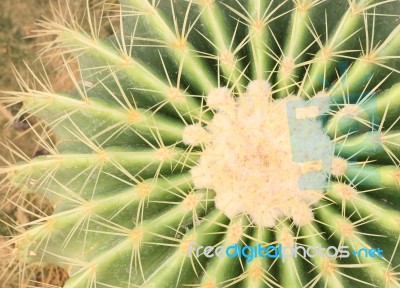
[(178, 135)]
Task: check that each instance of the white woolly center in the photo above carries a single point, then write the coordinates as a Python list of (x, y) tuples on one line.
[(248, 159)]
